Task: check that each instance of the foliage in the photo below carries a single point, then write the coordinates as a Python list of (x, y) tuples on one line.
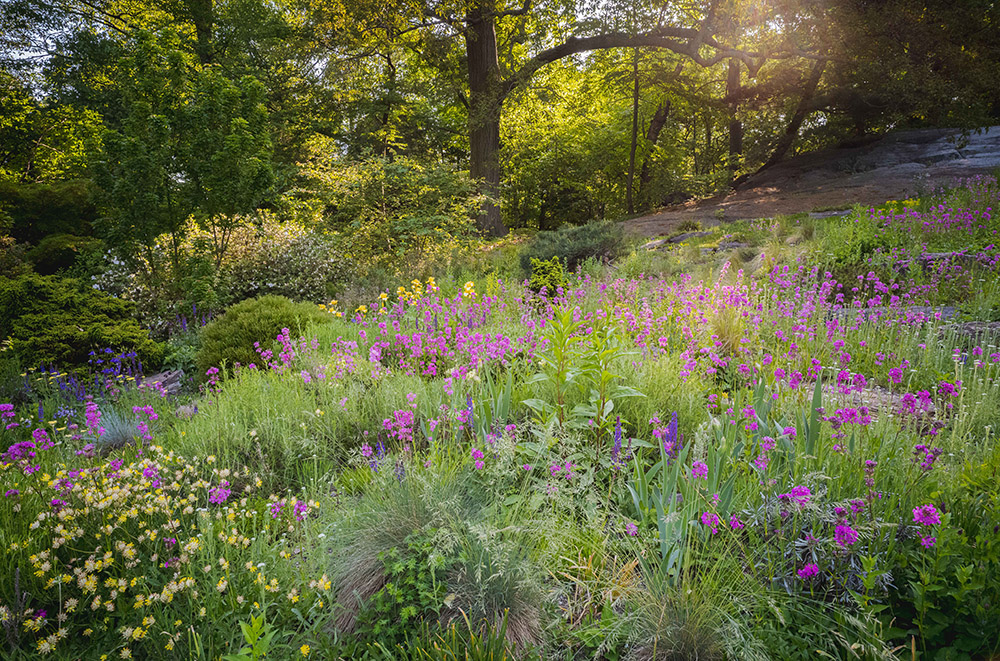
[(572, 245), (547, 276), (51, 320), (37, 210), (192, 143), (231, 339), (13, 258), (58, 252), (390, 210), (414, 589), (301, 267)]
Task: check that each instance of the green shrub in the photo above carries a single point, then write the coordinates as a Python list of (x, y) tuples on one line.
[(38, 210), (61, 251), (230, 338), (299, 267), (574, 244), (547, 274), (52, 320), (13, 258)]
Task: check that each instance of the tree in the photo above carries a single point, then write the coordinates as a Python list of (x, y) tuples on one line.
[(225, 152), (193, 143)]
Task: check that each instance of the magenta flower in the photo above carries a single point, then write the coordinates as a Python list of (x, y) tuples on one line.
[(477, 453), (926, 515), (711, 519), (219, 494), (699, 470), (928, 542), (845, 535), (808, 571), (631, 529), (735, 523)]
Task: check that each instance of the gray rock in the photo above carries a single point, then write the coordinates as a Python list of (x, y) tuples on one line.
[(829, 214), (687, 235)]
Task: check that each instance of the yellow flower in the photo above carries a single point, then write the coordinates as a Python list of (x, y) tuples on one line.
[(305, 650)]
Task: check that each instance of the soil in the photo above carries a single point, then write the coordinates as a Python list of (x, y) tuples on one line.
[(895, 167)]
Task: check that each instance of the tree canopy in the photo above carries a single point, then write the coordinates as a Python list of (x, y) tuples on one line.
[(563, 110)]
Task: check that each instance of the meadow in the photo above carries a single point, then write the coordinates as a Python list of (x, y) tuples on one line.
[(774, 441)]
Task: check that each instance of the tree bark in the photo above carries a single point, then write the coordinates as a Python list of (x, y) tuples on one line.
[(485, 102), (735, 125), (792, 130), (656, 125), (203, 17), (629, 202)]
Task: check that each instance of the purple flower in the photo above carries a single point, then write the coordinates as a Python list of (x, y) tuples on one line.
[(699, 470), (301, 508), (926, 515), (631, 529), (219, 494), (735, 523), (845, 535), (928, 542), (808, 571), (711, 519), (799, 495), (477, 453)]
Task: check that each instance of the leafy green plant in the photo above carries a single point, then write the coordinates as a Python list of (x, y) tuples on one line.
[(414, 589), (547, 275), (574, 244), (259, 637), (459, 643), (52, 320), (58, 252), (230, 338)]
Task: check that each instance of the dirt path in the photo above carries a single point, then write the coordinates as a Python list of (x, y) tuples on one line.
[(896, 167)]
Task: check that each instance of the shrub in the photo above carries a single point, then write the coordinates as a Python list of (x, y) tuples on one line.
[(38, 210), (573, 245), (13, 260), (61, 251), (547, 274), (299, 267), (230, 338), (390, 211), (51, 320)]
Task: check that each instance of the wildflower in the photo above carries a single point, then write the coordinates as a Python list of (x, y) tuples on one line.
[(845, 535), (928, 542), (699, 470), (477, 453), (808, 571), (735, 523), (799, 495), (304, 650), (219, 494), (711, 520), (631, 529), (926, 515)]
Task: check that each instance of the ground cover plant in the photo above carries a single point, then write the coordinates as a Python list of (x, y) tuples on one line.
[(691, 454)]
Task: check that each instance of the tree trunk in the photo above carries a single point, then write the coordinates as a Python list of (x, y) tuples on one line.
[(801, 111), (629, 202), (735, 125), (656, 125), (485, 102), (202, 15)]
